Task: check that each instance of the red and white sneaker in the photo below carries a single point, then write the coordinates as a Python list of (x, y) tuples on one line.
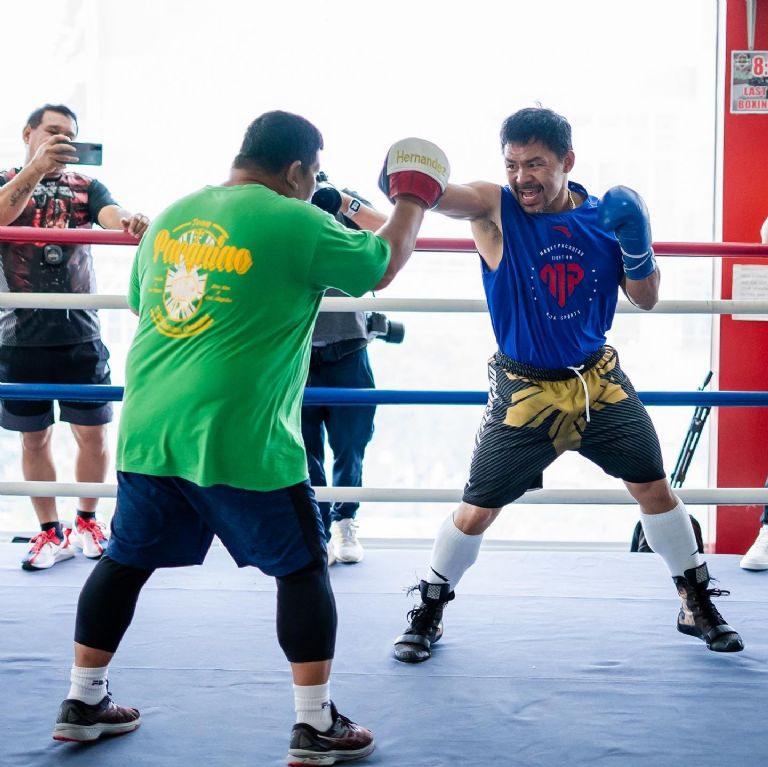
[(46, 550), (91, 536)]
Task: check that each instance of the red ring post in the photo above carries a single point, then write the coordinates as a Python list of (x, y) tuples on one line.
[(739, 354)]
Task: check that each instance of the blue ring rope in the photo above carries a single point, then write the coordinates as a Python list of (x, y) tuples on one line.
[(334, 396)]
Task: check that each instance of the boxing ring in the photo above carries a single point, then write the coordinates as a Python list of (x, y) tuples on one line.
[(548, 658)]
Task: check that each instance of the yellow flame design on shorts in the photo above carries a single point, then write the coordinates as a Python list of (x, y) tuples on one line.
[(533, 405)]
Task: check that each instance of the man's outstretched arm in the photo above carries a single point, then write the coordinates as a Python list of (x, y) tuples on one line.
[(115, 217), (469, 202)]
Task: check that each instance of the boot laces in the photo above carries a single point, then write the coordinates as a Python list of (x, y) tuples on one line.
[(705, 608), (348, 532), (422, 618)]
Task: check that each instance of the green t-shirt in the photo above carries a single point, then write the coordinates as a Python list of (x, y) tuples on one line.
[(227, 283)]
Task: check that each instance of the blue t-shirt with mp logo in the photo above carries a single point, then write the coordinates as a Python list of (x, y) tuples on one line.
[(553, 296)]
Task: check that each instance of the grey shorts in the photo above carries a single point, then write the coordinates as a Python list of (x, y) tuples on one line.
[(83, 363)]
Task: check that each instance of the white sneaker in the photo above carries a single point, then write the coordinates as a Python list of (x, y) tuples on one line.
[(345, 544), (47, 550), (91, 536), (757, 556), (331, 554)]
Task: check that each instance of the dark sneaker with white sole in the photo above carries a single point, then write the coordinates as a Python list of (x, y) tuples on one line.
[(344, 741), (80, 722), (698, 617)]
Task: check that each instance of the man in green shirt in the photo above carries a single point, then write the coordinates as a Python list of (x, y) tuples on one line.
[(227, 284)]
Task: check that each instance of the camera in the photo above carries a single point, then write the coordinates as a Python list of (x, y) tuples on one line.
[(326, 196), (53, 255), (380, 327)]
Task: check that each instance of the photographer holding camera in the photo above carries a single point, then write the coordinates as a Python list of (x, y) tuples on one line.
[(54, 345), (339, 358)]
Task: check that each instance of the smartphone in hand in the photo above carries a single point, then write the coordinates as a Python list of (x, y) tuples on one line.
[(87, 153)]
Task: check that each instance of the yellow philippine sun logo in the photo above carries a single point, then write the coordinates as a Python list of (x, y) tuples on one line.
[(185, 285), (190, 253), (183, 290)]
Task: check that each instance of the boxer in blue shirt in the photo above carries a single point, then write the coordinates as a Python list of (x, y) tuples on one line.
[(553, 258)]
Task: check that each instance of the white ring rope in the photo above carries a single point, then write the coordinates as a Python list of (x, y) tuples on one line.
[(706, 497), (338, 304), (728, 496)]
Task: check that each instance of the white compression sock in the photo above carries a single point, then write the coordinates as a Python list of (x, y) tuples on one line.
[(453, 553), (88, 685), (313, 705), (671, 536)]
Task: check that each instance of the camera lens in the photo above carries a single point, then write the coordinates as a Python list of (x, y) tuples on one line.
[(53, 255), (395, 332), (328, 199)]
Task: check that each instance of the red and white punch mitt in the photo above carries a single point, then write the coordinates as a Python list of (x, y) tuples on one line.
[(415, 167)]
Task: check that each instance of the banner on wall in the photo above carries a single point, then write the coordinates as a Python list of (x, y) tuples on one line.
[(750, 283), (749, 82)]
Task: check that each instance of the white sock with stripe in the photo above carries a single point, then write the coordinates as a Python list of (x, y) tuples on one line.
[(671, 536), (88, 685), (453, 553), (313, 705)]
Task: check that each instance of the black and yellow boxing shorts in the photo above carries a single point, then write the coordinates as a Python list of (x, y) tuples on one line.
[(534, 415)]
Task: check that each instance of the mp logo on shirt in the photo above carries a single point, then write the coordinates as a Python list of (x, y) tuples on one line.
[(561, 279), (562, 273)]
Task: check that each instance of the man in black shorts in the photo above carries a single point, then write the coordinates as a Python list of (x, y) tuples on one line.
[(553, 259), (56, 346)]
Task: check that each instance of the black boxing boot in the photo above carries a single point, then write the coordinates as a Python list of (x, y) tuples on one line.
[(425, 623), (698, 617)]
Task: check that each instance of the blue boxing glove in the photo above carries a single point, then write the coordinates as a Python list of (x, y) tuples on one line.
[(623, 212)]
